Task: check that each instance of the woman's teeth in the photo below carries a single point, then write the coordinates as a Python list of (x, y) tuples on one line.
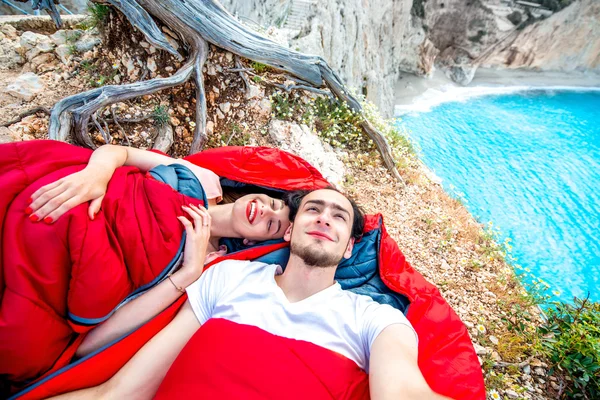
[(252, 212)]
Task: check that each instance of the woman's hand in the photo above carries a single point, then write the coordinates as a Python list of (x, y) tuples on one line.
[(196, 243), (50, 202)]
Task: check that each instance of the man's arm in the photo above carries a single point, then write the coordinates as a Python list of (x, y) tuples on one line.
[(393, 369), (143, 374)]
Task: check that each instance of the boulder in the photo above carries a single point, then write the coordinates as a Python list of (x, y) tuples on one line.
[(25, 87), (300, 140)]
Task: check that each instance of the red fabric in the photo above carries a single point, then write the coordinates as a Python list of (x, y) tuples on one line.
[(93, 371), (446, 355), (226, 360), (278, 169)]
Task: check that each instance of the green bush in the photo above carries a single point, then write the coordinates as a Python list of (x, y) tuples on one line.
[(98, 14), (571, 342), (260, 67), (160, 115)]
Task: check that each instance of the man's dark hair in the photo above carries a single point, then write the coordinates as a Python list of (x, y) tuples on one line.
[(294, 199)]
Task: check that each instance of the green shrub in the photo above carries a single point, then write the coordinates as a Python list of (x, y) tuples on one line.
[(571, 342), (98, 14), (259, 67), (160, 115)]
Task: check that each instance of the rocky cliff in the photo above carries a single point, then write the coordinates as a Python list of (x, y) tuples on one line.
[(367, 42), (567, 41)]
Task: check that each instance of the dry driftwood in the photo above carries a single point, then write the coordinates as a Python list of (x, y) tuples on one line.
[(198, 22)]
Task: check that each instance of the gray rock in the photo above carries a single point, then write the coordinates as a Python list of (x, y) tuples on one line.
[(45, 46), (9, 56), (164, 140), (42, 59), (25, 87), (494, 340), (512, 394), (151, 64), (264, 108), (299, 139), (87, 42), (527, 370), (539, 371), (255, 91), (64, 53), (461, 73), (480, 350), (59, 37), (225, 107), (30, 39), (9, 30)]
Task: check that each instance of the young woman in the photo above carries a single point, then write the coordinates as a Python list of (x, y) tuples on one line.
[(254, 217)]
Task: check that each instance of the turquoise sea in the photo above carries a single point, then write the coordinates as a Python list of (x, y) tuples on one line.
[(530, 162)]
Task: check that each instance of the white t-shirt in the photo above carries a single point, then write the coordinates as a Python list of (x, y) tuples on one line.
[(247, 293)]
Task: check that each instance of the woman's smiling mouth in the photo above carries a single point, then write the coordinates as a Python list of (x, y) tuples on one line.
[(251, 210)]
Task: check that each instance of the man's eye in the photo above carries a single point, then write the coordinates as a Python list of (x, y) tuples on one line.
[(269, 225), (312, 209), (273, 204), (341, 216)]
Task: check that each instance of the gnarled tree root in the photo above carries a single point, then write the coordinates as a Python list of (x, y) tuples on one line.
[(198, 22)]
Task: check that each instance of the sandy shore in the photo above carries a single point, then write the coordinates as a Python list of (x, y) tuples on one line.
[(413, 93)]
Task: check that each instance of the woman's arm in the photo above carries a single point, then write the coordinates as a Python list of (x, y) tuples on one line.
[(143, 308), (51, 201)]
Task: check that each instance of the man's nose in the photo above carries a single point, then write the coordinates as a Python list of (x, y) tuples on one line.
[(323, 218)]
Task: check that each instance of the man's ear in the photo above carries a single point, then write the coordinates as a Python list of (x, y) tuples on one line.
[(349, 248), (287, 236)]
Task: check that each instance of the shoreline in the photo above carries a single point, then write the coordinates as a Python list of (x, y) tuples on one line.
[(419, 94)]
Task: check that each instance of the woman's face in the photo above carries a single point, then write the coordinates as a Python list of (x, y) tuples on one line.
[(260, 217)]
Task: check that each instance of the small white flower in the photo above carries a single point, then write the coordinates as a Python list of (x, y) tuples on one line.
[(481, 329), (494, 395)]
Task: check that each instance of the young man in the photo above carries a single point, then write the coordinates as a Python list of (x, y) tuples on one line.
[(304, 303)]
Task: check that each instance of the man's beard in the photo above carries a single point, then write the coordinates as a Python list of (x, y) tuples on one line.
[(315, 256)]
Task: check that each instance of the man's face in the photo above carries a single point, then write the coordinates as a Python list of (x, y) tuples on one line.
[(321, 232)]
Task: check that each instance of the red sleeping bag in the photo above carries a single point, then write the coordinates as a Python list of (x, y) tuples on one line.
[(85, 268)]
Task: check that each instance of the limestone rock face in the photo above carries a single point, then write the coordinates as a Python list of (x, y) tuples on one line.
[(367, 42), (567, 41)]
